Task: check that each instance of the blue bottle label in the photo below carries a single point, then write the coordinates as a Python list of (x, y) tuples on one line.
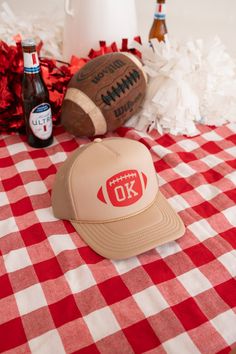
[(40, 121)]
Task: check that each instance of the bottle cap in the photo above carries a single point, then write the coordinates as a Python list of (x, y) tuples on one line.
[(28, 42)]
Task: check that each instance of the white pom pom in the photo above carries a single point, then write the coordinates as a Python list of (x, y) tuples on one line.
[(40, 27), (189, 83)]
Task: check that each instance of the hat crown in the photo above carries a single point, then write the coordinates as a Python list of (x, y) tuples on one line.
[(110, 179)]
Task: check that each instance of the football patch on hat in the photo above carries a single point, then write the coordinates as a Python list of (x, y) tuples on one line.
[(124, 189)]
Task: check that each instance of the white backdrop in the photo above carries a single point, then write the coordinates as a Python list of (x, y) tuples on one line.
[(186, 18)]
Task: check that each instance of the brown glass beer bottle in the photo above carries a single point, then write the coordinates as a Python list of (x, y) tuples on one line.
[(36, 105), (159, 29)]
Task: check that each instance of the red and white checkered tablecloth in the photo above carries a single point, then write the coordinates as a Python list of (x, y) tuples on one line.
[(58, 296)]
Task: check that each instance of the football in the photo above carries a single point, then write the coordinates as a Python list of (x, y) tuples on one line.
[(123, 189), (103, 95)]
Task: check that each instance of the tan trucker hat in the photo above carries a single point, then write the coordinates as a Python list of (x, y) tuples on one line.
[(109, 191)]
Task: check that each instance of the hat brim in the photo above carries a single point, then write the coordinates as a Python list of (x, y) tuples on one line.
[(134, 235)]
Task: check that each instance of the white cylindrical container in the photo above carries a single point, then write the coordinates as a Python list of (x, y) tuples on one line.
[(89, 21)]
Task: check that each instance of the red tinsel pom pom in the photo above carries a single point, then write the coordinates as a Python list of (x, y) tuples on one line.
[(56, 75)]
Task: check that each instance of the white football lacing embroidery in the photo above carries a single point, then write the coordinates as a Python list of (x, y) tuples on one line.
[(121, 178)]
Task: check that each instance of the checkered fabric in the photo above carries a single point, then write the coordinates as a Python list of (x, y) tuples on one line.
[(58, 296)]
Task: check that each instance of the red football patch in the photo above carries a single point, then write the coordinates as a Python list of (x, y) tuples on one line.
[(124, 188)]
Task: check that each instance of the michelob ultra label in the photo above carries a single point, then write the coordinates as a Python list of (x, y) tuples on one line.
[(40, 121), (160, 13), (31, 63)]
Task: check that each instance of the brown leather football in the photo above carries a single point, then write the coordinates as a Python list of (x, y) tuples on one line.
[(104, 94)]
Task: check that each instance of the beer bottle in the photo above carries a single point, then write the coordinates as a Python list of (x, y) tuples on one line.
[(159, 29), (37, 109)]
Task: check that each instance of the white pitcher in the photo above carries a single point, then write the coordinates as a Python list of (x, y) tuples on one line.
[(89, 21)]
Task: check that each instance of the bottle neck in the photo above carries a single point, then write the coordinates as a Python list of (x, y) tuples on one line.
[(160, 13), (31, 63)]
